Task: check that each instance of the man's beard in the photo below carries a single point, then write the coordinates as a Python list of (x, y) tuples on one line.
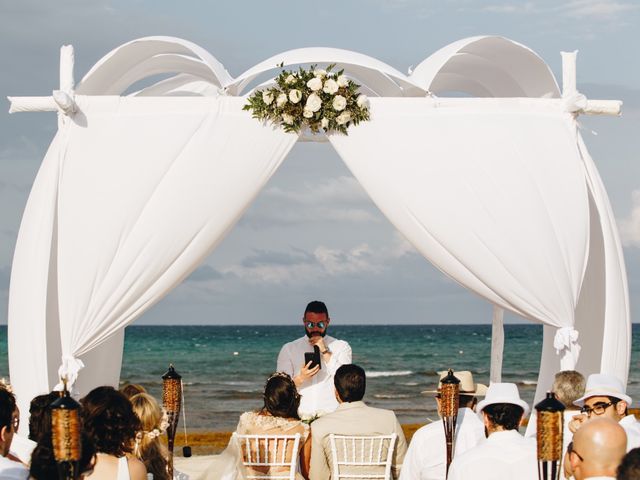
[(313, 334)]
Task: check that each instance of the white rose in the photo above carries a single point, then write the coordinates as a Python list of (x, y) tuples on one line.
[(267, 97), (342, 81), (295, 96), (324, 123), (362, 101), (330, 86), (313, 102), (320, 73), (339, 103), (343, 118), (281, 100), (288, 119), (306, 113), (315, 84), (290, 79)]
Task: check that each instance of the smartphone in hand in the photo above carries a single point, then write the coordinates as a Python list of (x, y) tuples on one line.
[(313, 357)]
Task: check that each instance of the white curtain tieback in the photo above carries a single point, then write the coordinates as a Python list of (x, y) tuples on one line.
[(66, 104), (566, 344), (69, 369), (574, 102)]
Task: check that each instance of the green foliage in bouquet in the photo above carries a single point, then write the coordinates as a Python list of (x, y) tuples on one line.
[(321, 100)]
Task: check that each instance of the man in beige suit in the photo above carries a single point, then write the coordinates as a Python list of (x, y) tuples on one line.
[(352, 417)]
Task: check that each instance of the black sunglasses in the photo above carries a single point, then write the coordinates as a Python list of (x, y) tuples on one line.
[(315, 324)]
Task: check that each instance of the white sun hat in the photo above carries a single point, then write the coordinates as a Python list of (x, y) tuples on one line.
[(502, 393), (467, 385), (603, 385)]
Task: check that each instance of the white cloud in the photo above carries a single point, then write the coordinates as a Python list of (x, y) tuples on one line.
[(630, 227), (597, 9), (527, 7), (301, 267)]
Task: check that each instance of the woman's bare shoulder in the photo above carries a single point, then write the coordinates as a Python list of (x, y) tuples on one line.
[(137, 470)]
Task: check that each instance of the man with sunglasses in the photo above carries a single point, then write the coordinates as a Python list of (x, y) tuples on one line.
[(315, 383), (605, 397), (9, 422)]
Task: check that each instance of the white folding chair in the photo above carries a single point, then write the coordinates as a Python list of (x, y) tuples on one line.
[(361, 456), (267, 452)]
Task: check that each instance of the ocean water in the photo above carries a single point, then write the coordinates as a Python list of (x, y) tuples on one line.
[(224, 367)]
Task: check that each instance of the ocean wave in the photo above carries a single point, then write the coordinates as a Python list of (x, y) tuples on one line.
[(528, 382), (398, 373)]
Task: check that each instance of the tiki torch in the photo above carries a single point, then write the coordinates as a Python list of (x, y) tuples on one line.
[(449, 401), (171, 400), (65, 435), (549, 437)]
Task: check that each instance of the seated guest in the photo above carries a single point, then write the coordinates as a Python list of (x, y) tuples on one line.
[(598, 448), (352, 417), (148, 447), (568, 386), (40, 415), (109, 420), (505, 454), (278, 416), (9, 422), (605, 397), (427, 454), (629, 468), (131, 389)]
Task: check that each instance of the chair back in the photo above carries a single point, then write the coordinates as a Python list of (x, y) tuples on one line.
[(360, 457), (269, 457)]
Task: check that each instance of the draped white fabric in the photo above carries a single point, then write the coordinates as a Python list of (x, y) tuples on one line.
[(491, 192), (146, 189)]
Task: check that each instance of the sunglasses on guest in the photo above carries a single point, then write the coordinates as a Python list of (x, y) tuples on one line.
[(315, 324)]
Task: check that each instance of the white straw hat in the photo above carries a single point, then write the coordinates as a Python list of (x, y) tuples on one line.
[(603, 385), (467, 385), (502, 393)]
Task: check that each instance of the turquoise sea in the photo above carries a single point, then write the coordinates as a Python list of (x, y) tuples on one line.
[(224, 367)]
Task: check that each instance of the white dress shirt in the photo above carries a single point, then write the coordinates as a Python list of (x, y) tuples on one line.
[(632, 428), (426, 457), (10, 470), (317, 393), (505, 455)]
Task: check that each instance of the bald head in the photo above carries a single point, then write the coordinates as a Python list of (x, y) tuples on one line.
[(598, 448)]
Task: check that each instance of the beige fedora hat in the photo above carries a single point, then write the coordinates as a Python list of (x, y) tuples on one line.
[(467, 385)]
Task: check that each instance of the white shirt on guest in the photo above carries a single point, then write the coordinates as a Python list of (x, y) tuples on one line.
[(427, 454), (632, 428), (10, 470), (505, 455), (317, 393)]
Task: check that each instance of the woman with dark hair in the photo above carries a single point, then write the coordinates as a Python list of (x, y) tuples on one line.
[(278, 416), (109, 420)]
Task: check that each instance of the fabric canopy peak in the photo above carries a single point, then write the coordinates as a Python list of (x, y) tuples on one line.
[(106, 236)]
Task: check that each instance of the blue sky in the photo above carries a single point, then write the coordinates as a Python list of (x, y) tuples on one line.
[(313, 233)]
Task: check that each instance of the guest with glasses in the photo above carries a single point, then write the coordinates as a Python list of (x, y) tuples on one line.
[(597, 449), (314, 382), (605, 397)]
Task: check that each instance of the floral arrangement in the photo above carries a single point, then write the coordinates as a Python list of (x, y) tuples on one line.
[(316, 99)]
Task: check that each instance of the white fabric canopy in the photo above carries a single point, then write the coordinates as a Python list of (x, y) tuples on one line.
[(500, 194)]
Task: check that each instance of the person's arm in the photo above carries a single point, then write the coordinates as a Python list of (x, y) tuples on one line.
[(305, 457), (137, 470), (285, 363), (400, 450), (319, 469)]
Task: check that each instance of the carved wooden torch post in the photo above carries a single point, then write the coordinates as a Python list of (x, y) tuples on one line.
[(449, 400), (172, 400), (549, 437), (65, 435)]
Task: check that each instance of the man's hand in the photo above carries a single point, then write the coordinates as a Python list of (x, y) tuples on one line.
[(318, 341), (576, 422), (306, 373)]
